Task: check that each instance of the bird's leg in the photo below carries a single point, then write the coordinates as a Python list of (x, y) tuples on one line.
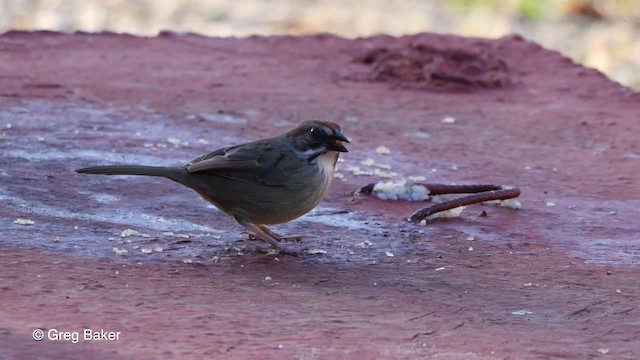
[(259, 233), (279, 237)]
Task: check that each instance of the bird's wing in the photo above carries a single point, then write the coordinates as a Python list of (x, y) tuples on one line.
[(255, 162)]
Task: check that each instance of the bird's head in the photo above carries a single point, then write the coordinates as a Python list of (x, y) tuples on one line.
[(316, 137)]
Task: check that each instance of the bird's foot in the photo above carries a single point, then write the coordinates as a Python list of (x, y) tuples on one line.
[(280, 238)]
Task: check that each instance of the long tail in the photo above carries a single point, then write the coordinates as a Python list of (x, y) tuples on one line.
[(173, 173)]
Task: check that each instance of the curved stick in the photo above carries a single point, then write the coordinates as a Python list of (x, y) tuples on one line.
[(501, 194)]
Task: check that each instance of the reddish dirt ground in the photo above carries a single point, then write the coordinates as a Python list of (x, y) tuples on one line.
[(559, 278)]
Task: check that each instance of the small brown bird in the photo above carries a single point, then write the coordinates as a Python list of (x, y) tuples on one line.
[(269, 181)]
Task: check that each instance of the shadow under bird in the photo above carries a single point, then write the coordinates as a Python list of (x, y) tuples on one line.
[(269, 181)]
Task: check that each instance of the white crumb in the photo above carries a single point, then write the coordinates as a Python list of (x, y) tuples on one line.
[(368, 162), (203, 142), (174, 141), (146, 251), (384, 174), (56, 239), (388, 253), (400, 190), (521, 312), (551, 203), (21, 221), (131, 232), (316, 251), (440, 269), (357, 171), (383, 150), (187, 261), (372, 163), (417, 178), (158, 249), (510, 203), (451, 213), (119, 251), (448, 120)]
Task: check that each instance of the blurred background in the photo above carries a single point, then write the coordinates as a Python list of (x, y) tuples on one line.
[(603, 34)]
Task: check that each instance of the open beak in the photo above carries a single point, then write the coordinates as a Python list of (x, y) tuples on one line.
[(337, 138)]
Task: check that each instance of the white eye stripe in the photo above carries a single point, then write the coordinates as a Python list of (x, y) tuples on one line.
[(313, 152)]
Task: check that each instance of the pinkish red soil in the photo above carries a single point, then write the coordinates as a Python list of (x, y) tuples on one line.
[(559, 278)]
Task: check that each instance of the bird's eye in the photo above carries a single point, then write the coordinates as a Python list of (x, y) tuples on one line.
[(314, 132)]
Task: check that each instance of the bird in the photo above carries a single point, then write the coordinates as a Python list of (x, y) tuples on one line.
[(264, 182)]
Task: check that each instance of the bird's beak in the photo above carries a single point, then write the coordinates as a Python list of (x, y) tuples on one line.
[(337, 139)]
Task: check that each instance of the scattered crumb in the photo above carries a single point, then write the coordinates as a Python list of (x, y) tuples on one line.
[(510, 203), (146, 251), (372, 163), (368, 162), (76, 132), (400, 190), (384, 174), (174, 141), (470, 248), (448, 120), (203, 142), (388, 253), (470, 238), (452, 213), (21, 221), (131, 232), (357, 171), (521, 312), (267, 278), (618, 291), (316, 251), (440, 269), (551, 203), (417, 178), (338, 175), (383, 150), (364, 244), (40, 138), (8, 126), (56, 239), (187, 261), (603, 351), (119, 251), (158, 249)]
